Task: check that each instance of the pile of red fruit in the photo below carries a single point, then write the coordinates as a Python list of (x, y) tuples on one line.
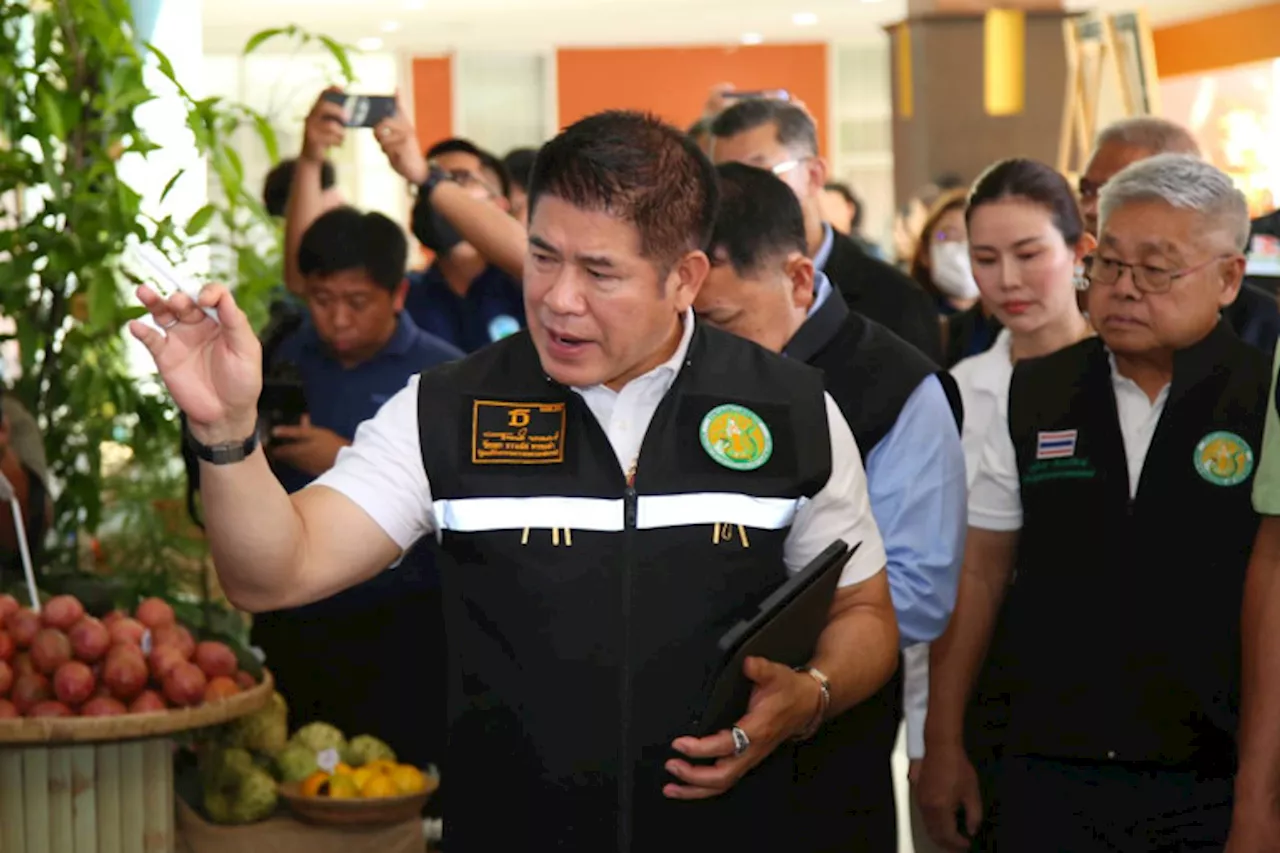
[(62, 663)]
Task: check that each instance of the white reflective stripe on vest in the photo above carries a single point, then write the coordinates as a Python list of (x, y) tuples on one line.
[(479, 515), (656, 511)]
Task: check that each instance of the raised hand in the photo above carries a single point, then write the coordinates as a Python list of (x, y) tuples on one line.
[(213, 368), (325, 128), (399, 142)]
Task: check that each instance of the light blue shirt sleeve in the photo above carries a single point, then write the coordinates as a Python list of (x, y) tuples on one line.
[(916, 478)]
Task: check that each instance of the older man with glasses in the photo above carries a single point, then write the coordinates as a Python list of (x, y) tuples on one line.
[(1111, 523)]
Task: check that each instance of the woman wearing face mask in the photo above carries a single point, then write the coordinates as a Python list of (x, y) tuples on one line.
[(941, 265), (1027, 243), (941, 261)]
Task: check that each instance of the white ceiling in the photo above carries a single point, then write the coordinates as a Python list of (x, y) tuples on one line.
[(427, 26)]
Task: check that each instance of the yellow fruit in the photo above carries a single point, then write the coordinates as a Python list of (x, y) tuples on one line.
[(361, 775), (380, 765), (409, 779), (379, 785), (311, 785), (343, 788), (342, 769)]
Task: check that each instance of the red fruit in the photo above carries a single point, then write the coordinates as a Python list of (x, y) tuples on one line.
[(8, 604), (50, 650), (126, 630), (163, 660), (8, 648), (216, 659), (50, 709), (149, 701), (125, 674), (220, 687), (6, 678), (245, 680), (174, 635), (102, 691), (154, 612), (103, 706), (185, 685), (23, 625), (113, 617), (8, 710), (61, 612), (73, 683), (22, 664), (30, 690), (90, 640)]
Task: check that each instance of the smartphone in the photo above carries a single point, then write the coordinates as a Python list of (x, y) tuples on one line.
[(364, 110), (283, 402), (762, 94)]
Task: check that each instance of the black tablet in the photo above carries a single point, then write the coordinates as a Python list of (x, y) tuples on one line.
[(785, 629)]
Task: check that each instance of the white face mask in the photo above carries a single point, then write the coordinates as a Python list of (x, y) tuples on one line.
[(952, 273)]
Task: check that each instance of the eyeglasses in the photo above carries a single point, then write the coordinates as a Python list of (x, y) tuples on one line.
[(1147, 279), (1089, 190)]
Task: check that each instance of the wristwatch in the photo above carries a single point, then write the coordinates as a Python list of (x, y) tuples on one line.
[(226, 452), (435, 176)]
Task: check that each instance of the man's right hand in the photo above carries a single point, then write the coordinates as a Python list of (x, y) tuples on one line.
[(947, 784), (212, 368), (325, 128)]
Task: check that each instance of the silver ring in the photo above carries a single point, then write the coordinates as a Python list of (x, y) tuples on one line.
[(741, 743), (170, 324)]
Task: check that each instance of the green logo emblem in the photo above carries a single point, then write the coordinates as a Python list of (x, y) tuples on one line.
[(1224, 458), (736, 437)]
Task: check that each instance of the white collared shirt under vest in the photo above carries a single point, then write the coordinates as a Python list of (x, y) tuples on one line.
[(382, 472)]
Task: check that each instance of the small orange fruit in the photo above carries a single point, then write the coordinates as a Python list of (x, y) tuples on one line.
[(381, 765), (312, 784), (409, 779), (379, 785), (343, 788)]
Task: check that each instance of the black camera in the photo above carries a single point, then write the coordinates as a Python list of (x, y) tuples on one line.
[(283, 401)]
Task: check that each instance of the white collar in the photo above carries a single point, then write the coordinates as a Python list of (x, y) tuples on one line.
[(668, 369)]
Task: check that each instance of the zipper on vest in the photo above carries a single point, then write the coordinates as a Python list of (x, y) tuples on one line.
[(626, 782)]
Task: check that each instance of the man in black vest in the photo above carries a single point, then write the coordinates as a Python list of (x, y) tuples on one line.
[(901, 411), (612, 490), (1118, 501), (783, 138)]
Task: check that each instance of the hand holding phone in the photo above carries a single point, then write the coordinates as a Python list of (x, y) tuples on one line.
[(363, 110)]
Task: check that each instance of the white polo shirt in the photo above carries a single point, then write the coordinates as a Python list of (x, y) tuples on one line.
[(995, 499), (382, 471)]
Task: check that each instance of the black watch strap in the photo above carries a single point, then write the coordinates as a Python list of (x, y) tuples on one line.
[(435, 176), (225, 453)]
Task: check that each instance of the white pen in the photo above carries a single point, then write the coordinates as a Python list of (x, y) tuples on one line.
[(153, 264)]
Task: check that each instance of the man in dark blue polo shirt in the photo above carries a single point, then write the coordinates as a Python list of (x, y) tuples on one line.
[(340, 660), (463, 297)]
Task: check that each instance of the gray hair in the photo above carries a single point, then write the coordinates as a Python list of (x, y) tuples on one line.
[(1183, 182), (1157, 135)]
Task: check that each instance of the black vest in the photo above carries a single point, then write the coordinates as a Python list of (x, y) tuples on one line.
[(583, 612), (1121, 634)]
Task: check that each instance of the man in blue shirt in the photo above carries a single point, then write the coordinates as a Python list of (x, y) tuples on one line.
[(904, 414), (463, 297), (340, 660)]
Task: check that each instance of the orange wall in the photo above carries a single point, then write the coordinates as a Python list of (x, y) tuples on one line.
[(433, 99), (673, 82), (1232, 38)]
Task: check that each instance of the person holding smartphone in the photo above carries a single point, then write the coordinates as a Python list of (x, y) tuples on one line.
[(357, 350)]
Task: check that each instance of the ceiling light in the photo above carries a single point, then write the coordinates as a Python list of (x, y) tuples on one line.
[(752, 38), (369, 43), (804, 19), (390, 26), (413, 5)]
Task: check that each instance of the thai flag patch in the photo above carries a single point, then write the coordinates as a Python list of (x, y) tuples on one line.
[(1056, 445)]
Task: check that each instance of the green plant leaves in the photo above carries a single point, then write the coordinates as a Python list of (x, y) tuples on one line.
[(200, 219)]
